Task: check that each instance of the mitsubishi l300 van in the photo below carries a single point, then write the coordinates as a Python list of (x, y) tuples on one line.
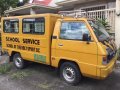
[(76, 46)]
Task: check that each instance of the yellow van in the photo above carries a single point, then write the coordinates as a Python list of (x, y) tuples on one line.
[(76, 46)]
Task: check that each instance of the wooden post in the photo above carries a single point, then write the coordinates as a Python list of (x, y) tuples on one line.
[(117, 24)]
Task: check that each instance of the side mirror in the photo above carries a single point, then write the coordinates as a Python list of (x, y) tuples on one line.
[(87, 38)]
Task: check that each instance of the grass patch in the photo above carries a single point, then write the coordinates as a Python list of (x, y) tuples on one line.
[(118, 54), (5, 68), (44, 86), (19, 75)]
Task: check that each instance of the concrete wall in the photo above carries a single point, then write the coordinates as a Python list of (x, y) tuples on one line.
[(117, 25), (111, 4)]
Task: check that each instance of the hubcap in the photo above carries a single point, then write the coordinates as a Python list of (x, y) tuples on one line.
[(69, 74), (18, 62)]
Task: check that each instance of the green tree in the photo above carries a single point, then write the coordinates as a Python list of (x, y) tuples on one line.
[(6, 4)]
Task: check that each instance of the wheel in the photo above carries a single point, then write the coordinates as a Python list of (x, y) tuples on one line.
[(70, 73), (18, 61)]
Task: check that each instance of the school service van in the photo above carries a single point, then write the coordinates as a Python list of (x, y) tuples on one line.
[(76, 46)]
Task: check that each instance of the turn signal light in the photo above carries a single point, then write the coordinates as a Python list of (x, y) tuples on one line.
[(104, 62)]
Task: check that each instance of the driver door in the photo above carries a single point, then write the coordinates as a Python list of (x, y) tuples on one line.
[(70, 46)]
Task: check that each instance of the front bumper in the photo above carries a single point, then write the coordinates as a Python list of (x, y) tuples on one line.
[(105, 71)]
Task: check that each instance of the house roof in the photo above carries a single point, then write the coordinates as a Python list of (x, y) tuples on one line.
[(43, 2), (72, 2), (26, 9)]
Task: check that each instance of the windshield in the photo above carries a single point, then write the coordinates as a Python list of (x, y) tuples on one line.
[(99, 30)]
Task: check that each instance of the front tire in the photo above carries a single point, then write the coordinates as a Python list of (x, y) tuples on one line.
[(70, 73), (18, 61)]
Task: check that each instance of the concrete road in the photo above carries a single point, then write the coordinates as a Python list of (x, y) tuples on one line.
[(42, 77)]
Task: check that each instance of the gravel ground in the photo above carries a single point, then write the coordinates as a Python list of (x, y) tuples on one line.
[(42, 77)]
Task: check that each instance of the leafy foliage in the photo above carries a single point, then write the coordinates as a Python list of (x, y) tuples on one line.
[(19, 75), (118, 53), (105, 23), (4, 68), (6, 4)]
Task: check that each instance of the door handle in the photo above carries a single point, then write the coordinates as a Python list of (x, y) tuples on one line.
[(60, 44)]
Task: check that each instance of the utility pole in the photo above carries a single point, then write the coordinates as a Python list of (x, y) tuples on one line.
[(117, 24)]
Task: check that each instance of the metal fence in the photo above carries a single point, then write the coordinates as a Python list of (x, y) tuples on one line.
[(106, 14)]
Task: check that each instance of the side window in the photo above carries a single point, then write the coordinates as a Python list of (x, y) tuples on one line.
[(34, 25), (11, 26), (73, 30)]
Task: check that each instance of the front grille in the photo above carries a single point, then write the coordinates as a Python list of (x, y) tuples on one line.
[(111, 54)]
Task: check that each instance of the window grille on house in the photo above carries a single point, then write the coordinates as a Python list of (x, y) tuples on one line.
[(94, 8), (95, 15)]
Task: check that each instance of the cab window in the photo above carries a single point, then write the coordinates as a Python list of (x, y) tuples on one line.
[(73, 30), (34, 25), (11, 26)]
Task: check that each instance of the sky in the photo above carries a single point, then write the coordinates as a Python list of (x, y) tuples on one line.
[(29, 0), (21, 0)]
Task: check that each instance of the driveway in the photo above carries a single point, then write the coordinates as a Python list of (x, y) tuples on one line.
[(42, 77)]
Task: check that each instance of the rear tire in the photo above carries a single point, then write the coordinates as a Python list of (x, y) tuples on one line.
[(70, 73), (18, 61)]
